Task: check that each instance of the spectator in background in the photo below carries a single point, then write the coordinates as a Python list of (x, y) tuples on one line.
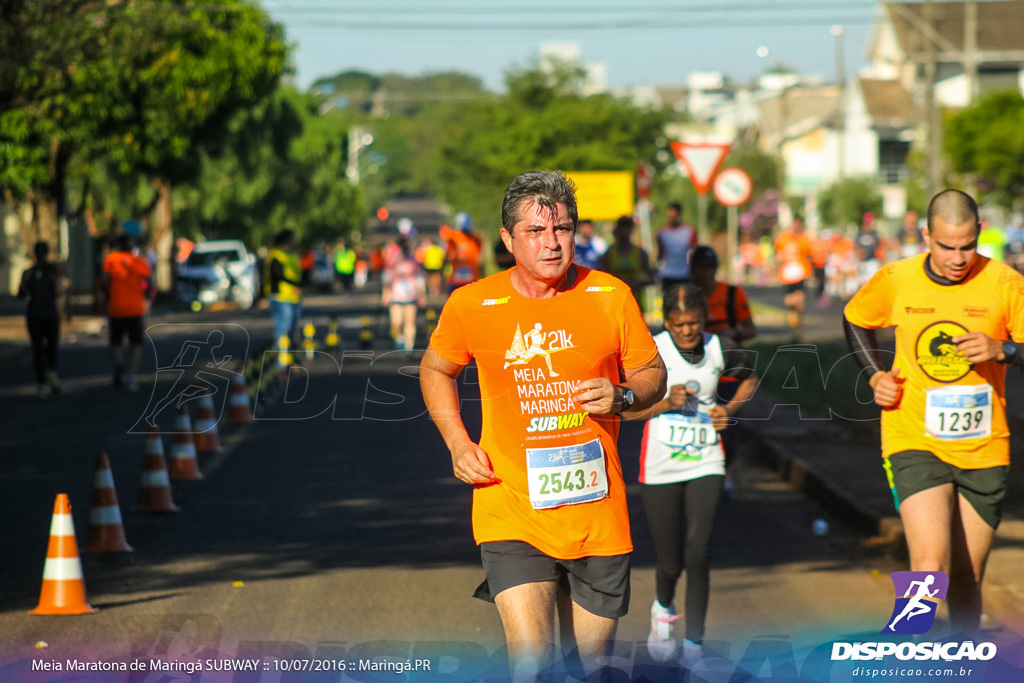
[(464, 254), (628, 261), (125, 274), (908, 236), (675, 240), (1015, 241), (992, 242), (729, 317), (42, 285), (433, 265), (589, 245), (821, 249), (793, 254), (282, 284), (503, 258), (868, 244), (345, 258), (404, 289)]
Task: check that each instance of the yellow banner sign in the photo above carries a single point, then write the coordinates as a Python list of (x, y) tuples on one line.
[(604, 195)]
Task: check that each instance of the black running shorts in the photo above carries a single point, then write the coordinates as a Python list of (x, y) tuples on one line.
[(599, 585), (910, 472)]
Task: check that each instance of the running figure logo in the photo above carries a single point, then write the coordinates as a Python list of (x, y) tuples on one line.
[(917, 596), (525, 347)]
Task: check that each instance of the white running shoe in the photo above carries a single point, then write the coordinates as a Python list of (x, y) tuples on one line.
[(692, 653), (660, 644)]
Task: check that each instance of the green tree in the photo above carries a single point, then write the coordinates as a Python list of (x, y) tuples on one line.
[(846, 201), (986, 142)]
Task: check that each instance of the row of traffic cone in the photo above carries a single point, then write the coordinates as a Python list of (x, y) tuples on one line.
[(63, 590)]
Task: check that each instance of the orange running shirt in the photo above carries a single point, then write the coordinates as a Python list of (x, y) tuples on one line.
[(943, 393), (127, 274), (794, 253), (718, 307), (592, 330)]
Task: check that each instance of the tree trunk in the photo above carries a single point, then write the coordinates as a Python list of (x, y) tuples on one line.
[(163, 236)]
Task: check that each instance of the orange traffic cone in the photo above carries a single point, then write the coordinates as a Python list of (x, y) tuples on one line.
[(206, 438), (184, 464), (239, 407), (106, 530), (155, 488), (63, 586)]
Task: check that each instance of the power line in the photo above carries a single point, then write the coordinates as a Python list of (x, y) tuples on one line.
[(611, 25)]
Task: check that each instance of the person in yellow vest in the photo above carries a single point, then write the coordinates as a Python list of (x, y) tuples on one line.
[(345, 265), (282, 285)]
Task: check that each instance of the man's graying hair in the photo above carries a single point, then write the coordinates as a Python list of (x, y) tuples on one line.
[(545, 188)]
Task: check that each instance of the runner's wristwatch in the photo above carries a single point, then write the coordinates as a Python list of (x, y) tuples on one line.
[(1009, 351), (628, 399)]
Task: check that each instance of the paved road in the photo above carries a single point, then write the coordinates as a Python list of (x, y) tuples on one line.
[(332, 527)]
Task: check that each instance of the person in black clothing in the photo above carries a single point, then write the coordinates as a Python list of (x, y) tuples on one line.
[(41, 285)]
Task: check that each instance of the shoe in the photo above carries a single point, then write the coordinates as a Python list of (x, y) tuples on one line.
[(692, 653), (728, 488), (660, 644), (131, 385), (43, 391), (54, 382), (118, 376)]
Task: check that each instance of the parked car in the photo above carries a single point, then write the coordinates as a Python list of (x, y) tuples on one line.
[(219, 271)]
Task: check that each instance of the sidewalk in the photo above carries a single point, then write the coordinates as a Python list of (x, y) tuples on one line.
[(839, 464)]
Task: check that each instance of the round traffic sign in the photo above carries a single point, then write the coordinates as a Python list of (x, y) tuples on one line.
[(732, 186)]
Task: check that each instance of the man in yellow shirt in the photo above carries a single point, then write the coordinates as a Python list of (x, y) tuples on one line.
[(945, 439)]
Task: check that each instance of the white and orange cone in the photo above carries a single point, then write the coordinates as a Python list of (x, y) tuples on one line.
[(63, 585), (155, 487), (239, 406), (184, 465), (206, 438), (106, 530)]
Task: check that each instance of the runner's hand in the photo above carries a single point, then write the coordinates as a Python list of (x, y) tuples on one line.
[(978, 347), (888, 387), (719, 417), (471, 464), (677, 396), (598, 397)]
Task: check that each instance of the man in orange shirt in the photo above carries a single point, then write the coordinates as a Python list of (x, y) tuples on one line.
[(125, 275), (945, 440), (793, 252), (562, 351)]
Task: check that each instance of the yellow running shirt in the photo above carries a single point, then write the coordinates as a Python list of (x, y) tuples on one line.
[(560, 485), (950, 407)]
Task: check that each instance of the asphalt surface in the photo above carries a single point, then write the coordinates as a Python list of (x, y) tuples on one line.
[(331, 527)]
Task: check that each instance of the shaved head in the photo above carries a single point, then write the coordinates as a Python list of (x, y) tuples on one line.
[(954, 207)]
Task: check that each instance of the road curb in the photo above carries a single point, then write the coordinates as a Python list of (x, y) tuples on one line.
[(1003, 603)]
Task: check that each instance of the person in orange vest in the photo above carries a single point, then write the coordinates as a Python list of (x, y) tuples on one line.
[(793, 253)]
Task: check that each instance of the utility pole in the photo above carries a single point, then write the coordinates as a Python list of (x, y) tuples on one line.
[(971, 49), (837, 31), (933, 120)]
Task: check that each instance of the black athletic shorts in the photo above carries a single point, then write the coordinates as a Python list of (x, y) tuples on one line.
[(599, 585), (119, 327), (793, 287), (910, 472)]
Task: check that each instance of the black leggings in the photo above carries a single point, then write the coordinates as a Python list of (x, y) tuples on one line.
[(681, 517), (45, 334)]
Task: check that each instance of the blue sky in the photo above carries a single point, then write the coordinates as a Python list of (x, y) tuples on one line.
[(656, 42)]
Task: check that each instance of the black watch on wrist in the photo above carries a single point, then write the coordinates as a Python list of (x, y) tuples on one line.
[(1009, 351), (628, 399)]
